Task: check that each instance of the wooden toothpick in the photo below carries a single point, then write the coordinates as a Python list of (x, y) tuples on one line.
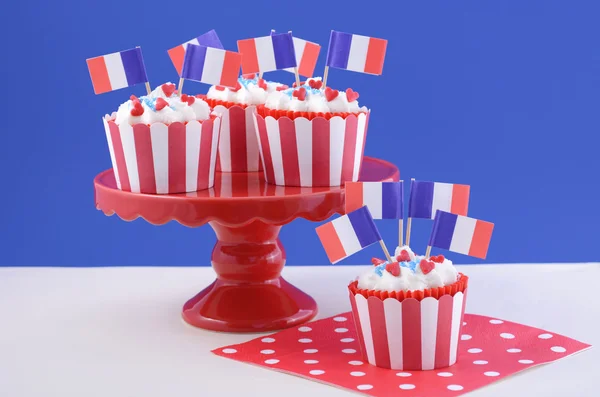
[(148, 88), (325, 73), (385, 251), (428, 252), (180, 86)]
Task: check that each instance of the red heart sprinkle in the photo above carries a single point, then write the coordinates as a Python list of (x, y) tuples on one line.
[(282, 88), (300, 94), (237, 87), (351, 95), (168, 89), (219, 88), (134, 98), (437, 259), (331, 94), (250, 76), (262, 84), (137, 109), (426, 266), (393, 268), (190, 100), (377, 261), (301, 83), (161, 104), (403, 257), (315, 84), (184, 97)]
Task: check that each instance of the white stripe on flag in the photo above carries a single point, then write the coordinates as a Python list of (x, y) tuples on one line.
[(159, 135), (337, 133), (130, 156), (192, 154), (265, 53), (358, 53), (213, 66), (463, 235), (116, 70), (442, 197), (457, 304), (429, 317), (275, 147), (373, 198), (362, 307), (346, 234), (192, 41), (304, 145), (393, 326)]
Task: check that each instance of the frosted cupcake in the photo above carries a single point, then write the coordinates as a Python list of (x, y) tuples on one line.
[(310, 136), (163, 142), (408, 313)]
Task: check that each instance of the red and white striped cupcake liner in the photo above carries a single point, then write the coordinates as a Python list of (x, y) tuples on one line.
[(164, 159)]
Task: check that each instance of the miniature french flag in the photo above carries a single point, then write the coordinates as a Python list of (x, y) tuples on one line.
[(117, 70), (307, 54), (428, 197), (208, 39), (348, 234), (457, 233), (357, 53), (385, 200), (211, 65), (265, 54)]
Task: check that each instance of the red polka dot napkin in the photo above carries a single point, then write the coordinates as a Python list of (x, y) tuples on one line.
[(327, 351)]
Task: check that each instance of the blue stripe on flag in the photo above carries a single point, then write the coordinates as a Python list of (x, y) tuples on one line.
[(210, 39), (421, 199), (339, 50), (364, 227), (392, 195), (193, 63), (283, 47), (443, 229), (133, 63)]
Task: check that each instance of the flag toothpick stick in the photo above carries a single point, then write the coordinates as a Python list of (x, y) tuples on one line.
[(148, 88), (260, 75), (325, 73), (428, 252), (180, 86), (400, 232), (385, 251), (297, 77)]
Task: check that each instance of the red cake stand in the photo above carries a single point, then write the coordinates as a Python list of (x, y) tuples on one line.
[(246, 213)]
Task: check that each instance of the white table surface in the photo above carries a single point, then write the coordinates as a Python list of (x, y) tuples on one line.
[(112, 332)]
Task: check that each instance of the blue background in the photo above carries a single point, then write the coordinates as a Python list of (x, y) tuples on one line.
[(502, 95)]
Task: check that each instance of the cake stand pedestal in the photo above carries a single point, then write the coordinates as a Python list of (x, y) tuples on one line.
[(246, 213)]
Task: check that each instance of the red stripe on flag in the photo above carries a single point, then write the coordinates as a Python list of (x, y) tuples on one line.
[(357, 324), (289, 151), (481, 239), (321, 152), (247, 50), (177, 158), (145, 159), (460, 199), (331, 242), (231, 69), (349, 148), (115, 137), (177, 55), (99, 75), (266, 150), (411, 335), (206, 140), (375, 56), (444, 332), (354, 196), (238, 151), (379, 332), (309, 59)]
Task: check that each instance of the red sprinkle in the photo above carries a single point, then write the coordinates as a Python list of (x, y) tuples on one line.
[(237, 87), (250, 76), (437, 259), (377, 261), (219, 88), (262, 84), (168, 89), (184, 97), (301, 83), (190, 100), (282, 88), (393, 268), (161, 104), (137, 109), (134, 98), (351, 95), (426, 266), (331, 94), (300, 94), (403, 257), (315, 84)]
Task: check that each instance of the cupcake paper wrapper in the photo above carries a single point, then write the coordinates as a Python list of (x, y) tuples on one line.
[(309, 153), (160, 158)]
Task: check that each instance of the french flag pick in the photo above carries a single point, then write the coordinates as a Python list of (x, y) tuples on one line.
[(307, 54), (385, 200), (428, 197), (265, 54), (348, 234), (211, 65), (117, 70), (457, 233), (208, 39), (357, 53)]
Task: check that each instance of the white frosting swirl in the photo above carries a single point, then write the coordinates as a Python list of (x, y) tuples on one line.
[(249, 91)]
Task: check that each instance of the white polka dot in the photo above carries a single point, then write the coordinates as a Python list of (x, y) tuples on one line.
[(558, 349), (545, 336), (513, 350), (506, 335), (404, 374), (311, 362), (455, 387), (526, 361), (310, 351), (340, 319), (317, 372), (304, 340), (496, 322), (348, 351), (491, 373), (474, 350), (305, 329), (480, 362), (271, 361), (445, 374), (229, 351), (464, 323), (465, 337), (355, 362), (347, 340), (364, 387), (341, 330), (268, 340), (267, 351), (407, 386), (357, 373)]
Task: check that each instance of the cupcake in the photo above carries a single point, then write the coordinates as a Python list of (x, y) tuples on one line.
[(163, 143), (310, 136), (408, 313), (238, 148)]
